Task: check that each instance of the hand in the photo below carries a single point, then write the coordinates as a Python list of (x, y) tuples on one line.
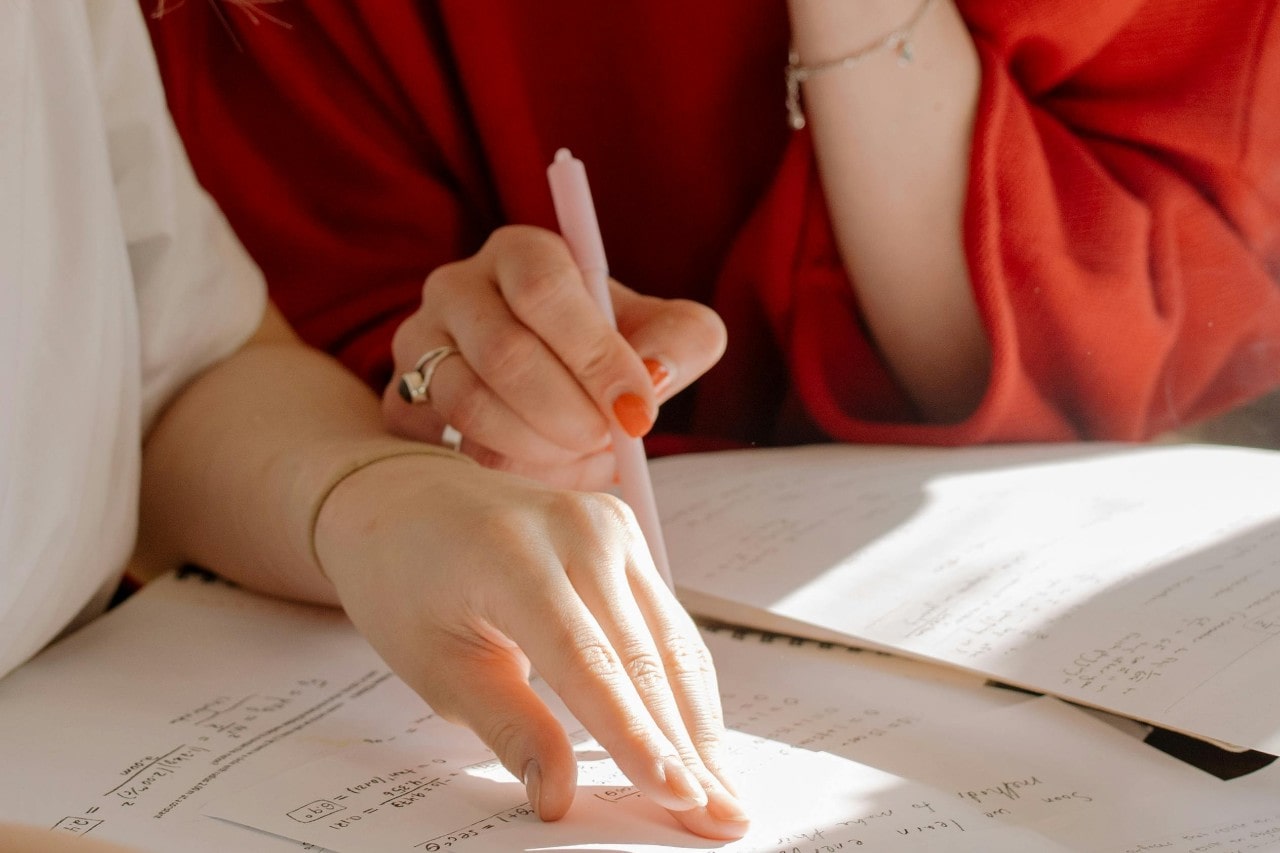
[(541, 373), (461, 577)]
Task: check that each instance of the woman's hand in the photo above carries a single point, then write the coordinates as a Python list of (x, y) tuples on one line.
[(462, 577), (541, 374)]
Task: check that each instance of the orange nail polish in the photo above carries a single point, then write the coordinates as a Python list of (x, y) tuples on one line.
[(630, 411), (659, 374)]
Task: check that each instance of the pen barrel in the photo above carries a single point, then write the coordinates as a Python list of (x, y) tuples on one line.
[(636, 489), (576, 213)]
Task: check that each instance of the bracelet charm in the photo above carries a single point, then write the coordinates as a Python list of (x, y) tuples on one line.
[(898, 41)]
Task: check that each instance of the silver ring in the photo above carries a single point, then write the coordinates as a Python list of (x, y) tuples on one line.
[(415, 386), (451, 438)]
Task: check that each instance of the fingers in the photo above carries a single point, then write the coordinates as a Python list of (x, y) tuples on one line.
[(596, 472), (510, 718), (678, 339), (669, 665), (528, 740), (637, 675), (542, 285), (553, 466), (690, 670), (521, 573), (542, 374), (460, 398), (531, 333), (685, 659)]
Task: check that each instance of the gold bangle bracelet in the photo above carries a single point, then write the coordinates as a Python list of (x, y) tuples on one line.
[(360, 465)]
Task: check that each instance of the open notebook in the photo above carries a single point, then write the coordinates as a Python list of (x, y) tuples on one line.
[(1142, 580), (198, 717)]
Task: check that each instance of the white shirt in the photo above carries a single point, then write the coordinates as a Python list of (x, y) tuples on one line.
[(119, 281)]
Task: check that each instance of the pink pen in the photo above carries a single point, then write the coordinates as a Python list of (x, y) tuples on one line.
[(578, 225)]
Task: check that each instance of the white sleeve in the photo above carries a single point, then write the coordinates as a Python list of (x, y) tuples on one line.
[(199, 294)]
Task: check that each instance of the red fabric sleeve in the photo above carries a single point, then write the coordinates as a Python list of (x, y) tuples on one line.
[(344, 184), (1118, 241), (1121, 225)]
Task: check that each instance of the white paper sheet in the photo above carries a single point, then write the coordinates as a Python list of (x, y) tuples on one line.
[(890, 764), (1143, 580), (195, 690), (193, 693), (126, 729), (435, 790)]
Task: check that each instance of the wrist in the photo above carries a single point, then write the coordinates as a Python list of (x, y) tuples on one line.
[(327, 514)]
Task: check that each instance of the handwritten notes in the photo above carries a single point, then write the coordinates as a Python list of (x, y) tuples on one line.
[(202, 718), (895, 760), (126, 729), (1143, 580)]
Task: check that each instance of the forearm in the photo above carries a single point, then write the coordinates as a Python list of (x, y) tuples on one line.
[(235, 469), (892, 145)]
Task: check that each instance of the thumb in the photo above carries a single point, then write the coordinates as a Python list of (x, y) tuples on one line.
[(494, 700), (678, 338)]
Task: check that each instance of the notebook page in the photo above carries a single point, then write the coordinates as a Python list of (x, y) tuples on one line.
[(1140, 580)]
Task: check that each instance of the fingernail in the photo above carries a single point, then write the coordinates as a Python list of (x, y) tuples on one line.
[(659, 374), (682, 783), (718, 771), (723, 807), (533, 785), (630, 411)]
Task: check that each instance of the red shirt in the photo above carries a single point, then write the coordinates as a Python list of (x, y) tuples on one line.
[(1122, 223)]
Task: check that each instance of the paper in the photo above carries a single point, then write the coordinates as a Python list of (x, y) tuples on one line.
[(190, 689), (198, 699), (435, 790), (195, 690), (1142, 580), (890, 762)]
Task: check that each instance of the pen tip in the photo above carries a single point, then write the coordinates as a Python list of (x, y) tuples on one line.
[(563, 154)]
